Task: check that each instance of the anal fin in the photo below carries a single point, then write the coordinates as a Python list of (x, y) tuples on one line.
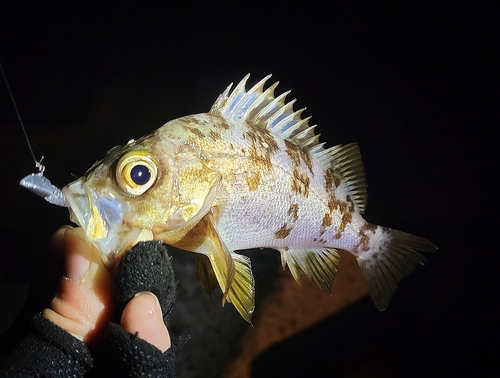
[(320, 265)]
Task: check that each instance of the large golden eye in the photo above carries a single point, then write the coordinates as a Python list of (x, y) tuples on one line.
[(136, 172)]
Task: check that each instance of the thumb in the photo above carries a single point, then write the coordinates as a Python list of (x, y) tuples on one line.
[(83, 303), (143, 316)]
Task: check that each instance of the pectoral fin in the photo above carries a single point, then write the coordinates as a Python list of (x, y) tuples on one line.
[(320, 265), (219, 256), (241, 293), (205, 273), (215, 264)]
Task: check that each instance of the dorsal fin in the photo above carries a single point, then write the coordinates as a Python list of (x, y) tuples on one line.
[(348, 166), (262, 108)]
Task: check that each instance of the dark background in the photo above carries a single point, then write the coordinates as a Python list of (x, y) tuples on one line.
[(413, 84)]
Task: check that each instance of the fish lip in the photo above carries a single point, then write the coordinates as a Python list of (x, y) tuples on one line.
[(74, 192), (102, 219)]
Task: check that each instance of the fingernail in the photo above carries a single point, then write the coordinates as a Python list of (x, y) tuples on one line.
[(153, 303), (77, 259), (143, 316)]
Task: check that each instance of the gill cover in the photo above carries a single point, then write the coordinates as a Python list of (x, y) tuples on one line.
[(194, 191), (184, 190)]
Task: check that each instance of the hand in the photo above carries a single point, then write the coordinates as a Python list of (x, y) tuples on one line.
[(83, 305)]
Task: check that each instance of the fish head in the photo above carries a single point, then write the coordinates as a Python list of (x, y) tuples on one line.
[(146, 190), (105, 198)]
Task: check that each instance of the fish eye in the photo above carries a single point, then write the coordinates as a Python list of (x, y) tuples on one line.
[(140, 174), (136, 172)]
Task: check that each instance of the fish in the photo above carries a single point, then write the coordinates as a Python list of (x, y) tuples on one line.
[(250, 173)]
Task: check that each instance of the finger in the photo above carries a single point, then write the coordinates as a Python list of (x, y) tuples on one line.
[(83, 303), (57, 241), (56, 256), (142, 315)]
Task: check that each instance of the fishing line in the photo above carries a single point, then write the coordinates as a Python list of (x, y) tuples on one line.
[(38, 164)]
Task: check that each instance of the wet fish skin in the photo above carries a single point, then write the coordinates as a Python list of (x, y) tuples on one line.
[(249, 173)]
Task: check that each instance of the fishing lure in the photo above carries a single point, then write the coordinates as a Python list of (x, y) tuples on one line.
[(36, 182)]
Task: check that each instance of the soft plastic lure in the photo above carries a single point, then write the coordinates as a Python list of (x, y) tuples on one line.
[(36, 182)]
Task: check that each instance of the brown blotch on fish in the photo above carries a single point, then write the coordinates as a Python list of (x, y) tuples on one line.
[(291, 150), (341, 206), (306, 158), (347, 209), (369, 227), (221, 122), (327, 220), (345, 220), (262, 145), (260, 137), (293, 212), (214, 135), (263, 158), (333, 203), (350, 202), (300, 183), (332, 181), (297, 155), (283, 232), (194, 131), (364, 240), (253, 181), (344, 208)]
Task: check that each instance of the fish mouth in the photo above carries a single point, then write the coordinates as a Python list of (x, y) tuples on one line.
[(102, 219)]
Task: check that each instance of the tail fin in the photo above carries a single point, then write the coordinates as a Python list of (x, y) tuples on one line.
[(394, 257)]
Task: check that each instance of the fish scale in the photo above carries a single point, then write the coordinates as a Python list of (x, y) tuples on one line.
[(249, 173)]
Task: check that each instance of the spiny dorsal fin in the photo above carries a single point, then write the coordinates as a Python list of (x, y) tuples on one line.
[(262, 108)]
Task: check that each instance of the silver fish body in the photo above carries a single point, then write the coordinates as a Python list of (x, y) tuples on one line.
[(249, 173)]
